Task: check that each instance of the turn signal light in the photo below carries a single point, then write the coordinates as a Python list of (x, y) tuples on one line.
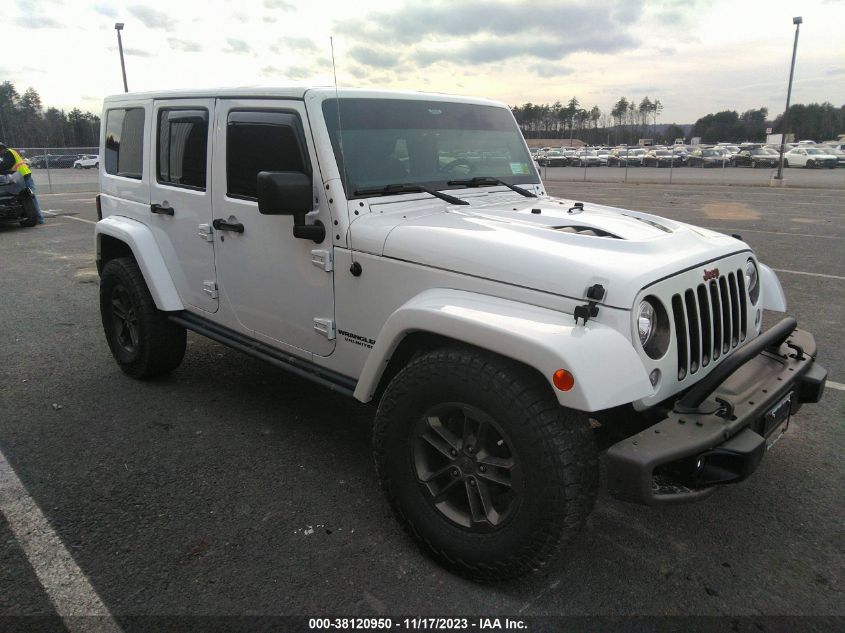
[(563, 380)]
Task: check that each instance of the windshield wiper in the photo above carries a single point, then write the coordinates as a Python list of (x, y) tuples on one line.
[(480, 181), (408, 188)]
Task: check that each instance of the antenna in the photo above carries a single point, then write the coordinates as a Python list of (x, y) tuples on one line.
[(339, 128), (355, 268)]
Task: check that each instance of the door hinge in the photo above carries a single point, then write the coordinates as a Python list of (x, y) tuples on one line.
[(325, 327), (322, 259), (206, 232), (210, 288)]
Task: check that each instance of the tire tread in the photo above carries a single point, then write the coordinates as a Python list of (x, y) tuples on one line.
[(564, 437)]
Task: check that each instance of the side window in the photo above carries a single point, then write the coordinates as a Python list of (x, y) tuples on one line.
[(124, 145), (182, 154), (261, 141)]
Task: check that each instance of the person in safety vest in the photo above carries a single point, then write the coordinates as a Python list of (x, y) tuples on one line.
[(10, 160)]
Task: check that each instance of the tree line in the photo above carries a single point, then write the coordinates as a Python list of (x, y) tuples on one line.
[(815, 121), (629, 121), (626, 122), (24, 122)]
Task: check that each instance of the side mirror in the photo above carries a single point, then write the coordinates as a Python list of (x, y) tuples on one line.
[(289, 193)]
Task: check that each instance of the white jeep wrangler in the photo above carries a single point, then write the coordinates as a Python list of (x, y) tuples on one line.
[(400, 248)]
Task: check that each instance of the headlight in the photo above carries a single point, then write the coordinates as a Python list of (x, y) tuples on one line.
[(752, 280), (645, 322), (652, 325)]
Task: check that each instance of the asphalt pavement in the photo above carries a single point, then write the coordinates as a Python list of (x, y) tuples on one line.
[(232, 488)]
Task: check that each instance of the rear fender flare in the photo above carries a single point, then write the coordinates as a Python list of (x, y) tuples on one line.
[(141, 242)]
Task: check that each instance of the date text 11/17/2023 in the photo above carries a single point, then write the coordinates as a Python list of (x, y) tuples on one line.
[(417, 624)]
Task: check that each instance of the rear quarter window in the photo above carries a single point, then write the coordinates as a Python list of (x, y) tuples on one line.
[(124, 144)]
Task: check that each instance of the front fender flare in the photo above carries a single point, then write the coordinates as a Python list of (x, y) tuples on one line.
[(141, 241), (774, 297), (608, 372)]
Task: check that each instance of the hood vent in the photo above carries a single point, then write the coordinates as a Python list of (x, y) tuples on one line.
[(586, 230), (649, 222)]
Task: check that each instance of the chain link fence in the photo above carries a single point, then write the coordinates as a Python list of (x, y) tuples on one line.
[(75, 169), (682, 165), (62, 169)]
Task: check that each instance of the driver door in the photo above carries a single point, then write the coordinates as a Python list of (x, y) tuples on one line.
[(268, 276)]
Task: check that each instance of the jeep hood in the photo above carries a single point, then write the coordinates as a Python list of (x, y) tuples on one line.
[(545, 244)]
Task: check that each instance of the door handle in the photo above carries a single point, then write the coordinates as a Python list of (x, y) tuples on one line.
[(222, 225), (161, 210)]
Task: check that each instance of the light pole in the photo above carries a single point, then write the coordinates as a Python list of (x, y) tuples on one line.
[(797, 22), (119, 27)]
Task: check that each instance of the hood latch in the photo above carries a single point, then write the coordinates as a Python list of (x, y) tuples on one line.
[(594, 295)]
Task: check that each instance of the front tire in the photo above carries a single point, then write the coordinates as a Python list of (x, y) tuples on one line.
[(480, 463), (30, 217), (141, 338)]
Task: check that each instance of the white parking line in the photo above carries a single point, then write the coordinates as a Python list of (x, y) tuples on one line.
[(798, 272), (63, 581), (52, 214), (835, 385)]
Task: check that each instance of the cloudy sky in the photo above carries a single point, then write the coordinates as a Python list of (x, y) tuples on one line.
[(696, 56)]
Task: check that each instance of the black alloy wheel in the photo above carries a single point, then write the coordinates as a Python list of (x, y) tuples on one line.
[(142, 339), (466, 467), (124, 319)]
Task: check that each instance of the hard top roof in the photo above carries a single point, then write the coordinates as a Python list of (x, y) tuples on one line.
[(294, 92)]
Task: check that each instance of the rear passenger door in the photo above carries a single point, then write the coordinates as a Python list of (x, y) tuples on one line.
[(180, 197)]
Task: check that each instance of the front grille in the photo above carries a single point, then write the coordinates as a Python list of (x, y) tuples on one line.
[(710, 320)]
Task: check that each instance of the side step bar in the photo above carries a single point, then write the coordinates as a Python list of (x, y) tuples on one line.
[(302, 368)]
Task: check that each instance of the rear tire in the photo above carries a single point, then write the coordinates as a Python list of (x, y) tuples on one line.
[(29, 213), (446, 417), (810, 164), (141, 338)]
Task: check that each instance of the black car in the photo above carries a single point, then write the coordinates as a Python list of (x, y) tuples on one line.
[(553, 158), (760, 157), (707, 158), (65, 160), (16, 203)]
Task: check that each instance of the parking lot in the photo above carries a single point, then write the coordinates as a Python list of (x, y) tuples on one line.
[(232, 488)]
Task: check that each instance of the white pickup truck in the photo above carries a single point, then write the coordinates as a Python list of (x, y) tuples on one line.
[(400, 248)]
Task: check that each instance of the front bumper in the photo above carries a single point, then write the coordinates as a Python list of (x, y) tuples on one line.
[(10, 208), (686, 456)]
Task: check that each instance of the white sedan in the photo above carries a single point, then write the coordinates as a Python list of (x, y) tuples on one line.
[(809, 157), (86, 162)]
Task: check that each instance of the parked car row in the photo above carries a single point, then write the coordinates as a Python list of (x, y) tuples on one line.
[(64, 161), (753, 155)]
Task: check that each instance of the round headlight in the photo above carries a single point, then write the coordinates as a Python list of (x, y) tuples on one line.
[(751, 280), (645, 322)]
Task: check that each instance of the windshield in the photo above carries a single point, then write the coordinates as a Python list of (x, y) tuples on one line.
[(391, 141)]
